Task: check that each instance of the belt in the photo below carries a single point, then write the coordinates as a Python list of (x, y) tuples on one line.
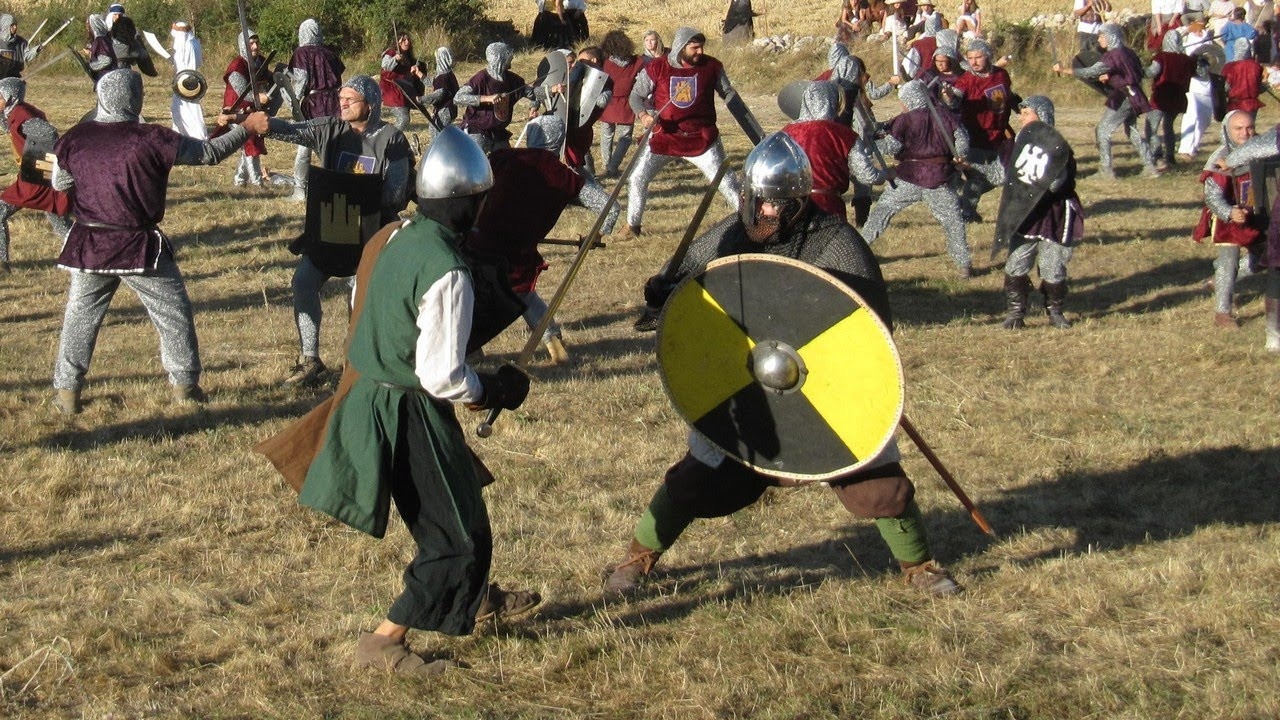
[(934, 159), (109, 226)]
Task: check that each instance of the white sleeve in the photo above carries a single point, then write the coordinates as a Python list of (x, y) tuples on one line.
[(444, 324)]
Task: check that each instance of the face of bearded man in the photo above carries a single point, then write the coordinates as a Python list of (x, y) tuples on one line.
[(691, 55)]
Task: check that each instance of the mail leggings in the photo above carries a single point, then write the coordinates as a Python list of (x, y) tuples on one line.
[(985, 171), (301, 161), (1112, 120), (535, 308), (615, 140), (307, 309), (1049, 257), (692, 489), (400, 118), (648, 165), (942, 202), (164, 296), (1159, 134), (1231, 264), (60, 224)]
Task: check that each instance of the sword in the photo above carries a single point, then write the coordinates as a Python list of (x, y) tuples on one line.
[(32, 73), (897, 60), (945, 474), (250, 86), (485, 428), (677, 258), (36, 32), (868, 119), (55, 34), (431, 117), (566, 241), (253, 76)]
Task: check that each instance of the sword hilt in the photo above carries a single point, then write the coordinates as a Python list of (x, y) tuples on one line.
[(485, 428)]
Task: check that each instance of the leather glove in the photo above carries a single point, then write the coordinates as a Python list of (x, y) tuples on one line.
[(656, 291), (507, 388)]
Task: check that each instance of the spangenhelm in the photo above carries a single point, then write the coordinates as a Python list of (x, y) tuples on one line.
[(189, 85), (453, 166), (776, 170)]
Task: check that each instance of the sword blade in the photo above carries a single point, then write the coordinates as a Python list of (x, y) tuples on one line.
[(36, 71), (55, 34), (36, 33), (253, 76), (942, 130), (673, 265), (869, 120)]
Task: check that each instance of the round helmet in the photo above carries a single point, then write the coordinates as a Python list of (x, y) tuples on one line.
[(453, 166), (190, 85), (777, 170)]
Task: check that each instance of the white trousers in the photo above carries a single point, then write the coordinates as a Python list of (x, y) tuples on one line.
[(1194, 122)]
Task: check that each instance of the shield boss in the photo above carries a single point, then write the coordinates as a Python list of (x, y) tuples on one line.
[(781, 366)]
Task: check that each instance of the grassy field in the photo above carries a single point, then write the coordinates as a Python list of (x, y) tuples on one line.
[(151, 566)]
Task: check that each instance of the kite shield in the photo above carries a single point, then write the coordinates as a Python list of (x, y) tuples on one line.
[(1039, 156), (781, 366)]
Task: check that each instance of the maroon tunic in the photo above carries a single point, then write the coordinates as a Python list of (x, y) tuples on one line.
[(256, 145), (1124, 77), (449, 83), (121, 173), (531, 187), (1169, 89), (25, 194), (481, 119), (1234, 190), (827, 143), (102, 47), (985, 108), (687, 126), (925, 47), (324, 79), (392, 95), (925, 159), (1244, 84), (618, 111)]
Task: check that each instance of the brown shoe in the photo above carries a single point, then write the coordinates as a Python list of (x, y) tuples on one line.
[(1224, 320), (67, 402), (555, 348), (625, 577), (384, 653), (189, 395), (629, 233), (931, 578), (505, 604), (308, 371)]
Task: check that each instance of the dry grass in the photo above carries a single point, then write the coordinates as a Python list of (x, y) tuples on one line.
[(150, 566)]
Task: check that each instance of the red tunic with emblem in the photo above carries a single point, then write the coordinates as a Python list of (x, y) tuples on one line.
[(531, 187), (687, 126), (827, 143), (1236, 190), (1244, 84), (256, 145), (392, 95), (985, 108), (618, 111), (1169, 89), (24, 194)]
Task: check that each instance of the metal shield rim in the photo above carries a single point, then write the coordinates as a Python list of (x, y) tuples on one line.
[(800, 478)]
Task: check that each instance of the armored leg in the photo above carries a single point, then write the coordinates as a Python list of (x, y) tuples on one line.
[(88, 297), (613, 159), (1107, 125), (6, 211), (301, 161), (61, 225), (647, 166), (535, 309), (892, 201), (164, 295), (1054, 295), (945, 207), (307, 309), (242, 171), (1139, 143), (400, 118), (1225, 270), (984, 169), (1052, 259), (254, 171), (1152, 124), (709, 163)]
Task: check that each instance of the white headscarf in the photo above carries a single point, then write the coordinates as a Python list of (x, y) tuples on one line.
[(186, 50)]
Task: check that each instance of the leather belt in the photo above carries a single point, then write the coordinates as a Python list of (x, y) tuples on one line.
[(109, 226)]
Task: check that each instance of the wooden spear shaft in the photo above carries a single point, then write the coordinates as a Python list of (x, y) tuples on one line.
[(945, 474)]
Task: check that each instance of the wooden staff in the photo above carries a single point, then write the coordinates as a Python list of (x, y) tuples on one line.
[(945, 474)]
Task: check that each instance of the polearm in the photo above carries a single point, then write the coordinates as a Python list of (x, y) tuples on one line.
[(485, 428), (945, 474), (54, 61), (571, 243), (253, 75)]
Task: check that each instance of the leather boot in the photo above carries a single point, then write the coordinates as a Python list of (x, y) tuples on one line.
[(861, 209), (625, 577), (1054, 294), (1016, 290), (67, 402), (1272, 315)]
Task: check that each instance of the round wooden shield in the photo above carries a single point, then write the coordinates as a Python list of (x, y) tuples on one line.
[(781, 366), (1085, 59)]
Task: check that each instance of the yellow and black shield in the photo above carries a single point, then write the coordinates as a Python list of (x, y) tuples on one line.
[(781, 366)]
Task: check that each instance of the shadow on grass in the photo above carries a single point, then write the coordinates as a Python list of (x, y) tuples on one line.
[(1096, 297), (76, 546)]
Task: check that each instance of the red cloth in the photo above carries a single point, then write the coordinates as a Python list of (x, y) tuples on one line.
[(256, 145), (687, 126), (925, 47), (827, 143), (618, 111), (1155, 40), (392, 95), (531, 187), (1229, 233), (985, 108), (24, 194), (1244, 84), (1169, 89)]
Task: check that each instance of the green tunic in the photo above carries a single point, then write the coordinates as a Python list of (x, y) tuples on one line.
[(350, 478)]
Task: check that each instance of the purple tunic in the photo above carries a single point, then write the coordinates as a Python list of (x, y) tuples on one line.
[(99, 47), (481, 119), (324, 79), (1271, 256), (1124, 77), (121, 173), (925, 159), (449, 83), (1058, 216)]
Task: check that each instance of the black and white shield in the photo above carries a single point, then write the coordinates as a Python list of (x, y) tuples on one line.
[(1088, 58), (554, 70), (343, 212), (1039, 155)]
